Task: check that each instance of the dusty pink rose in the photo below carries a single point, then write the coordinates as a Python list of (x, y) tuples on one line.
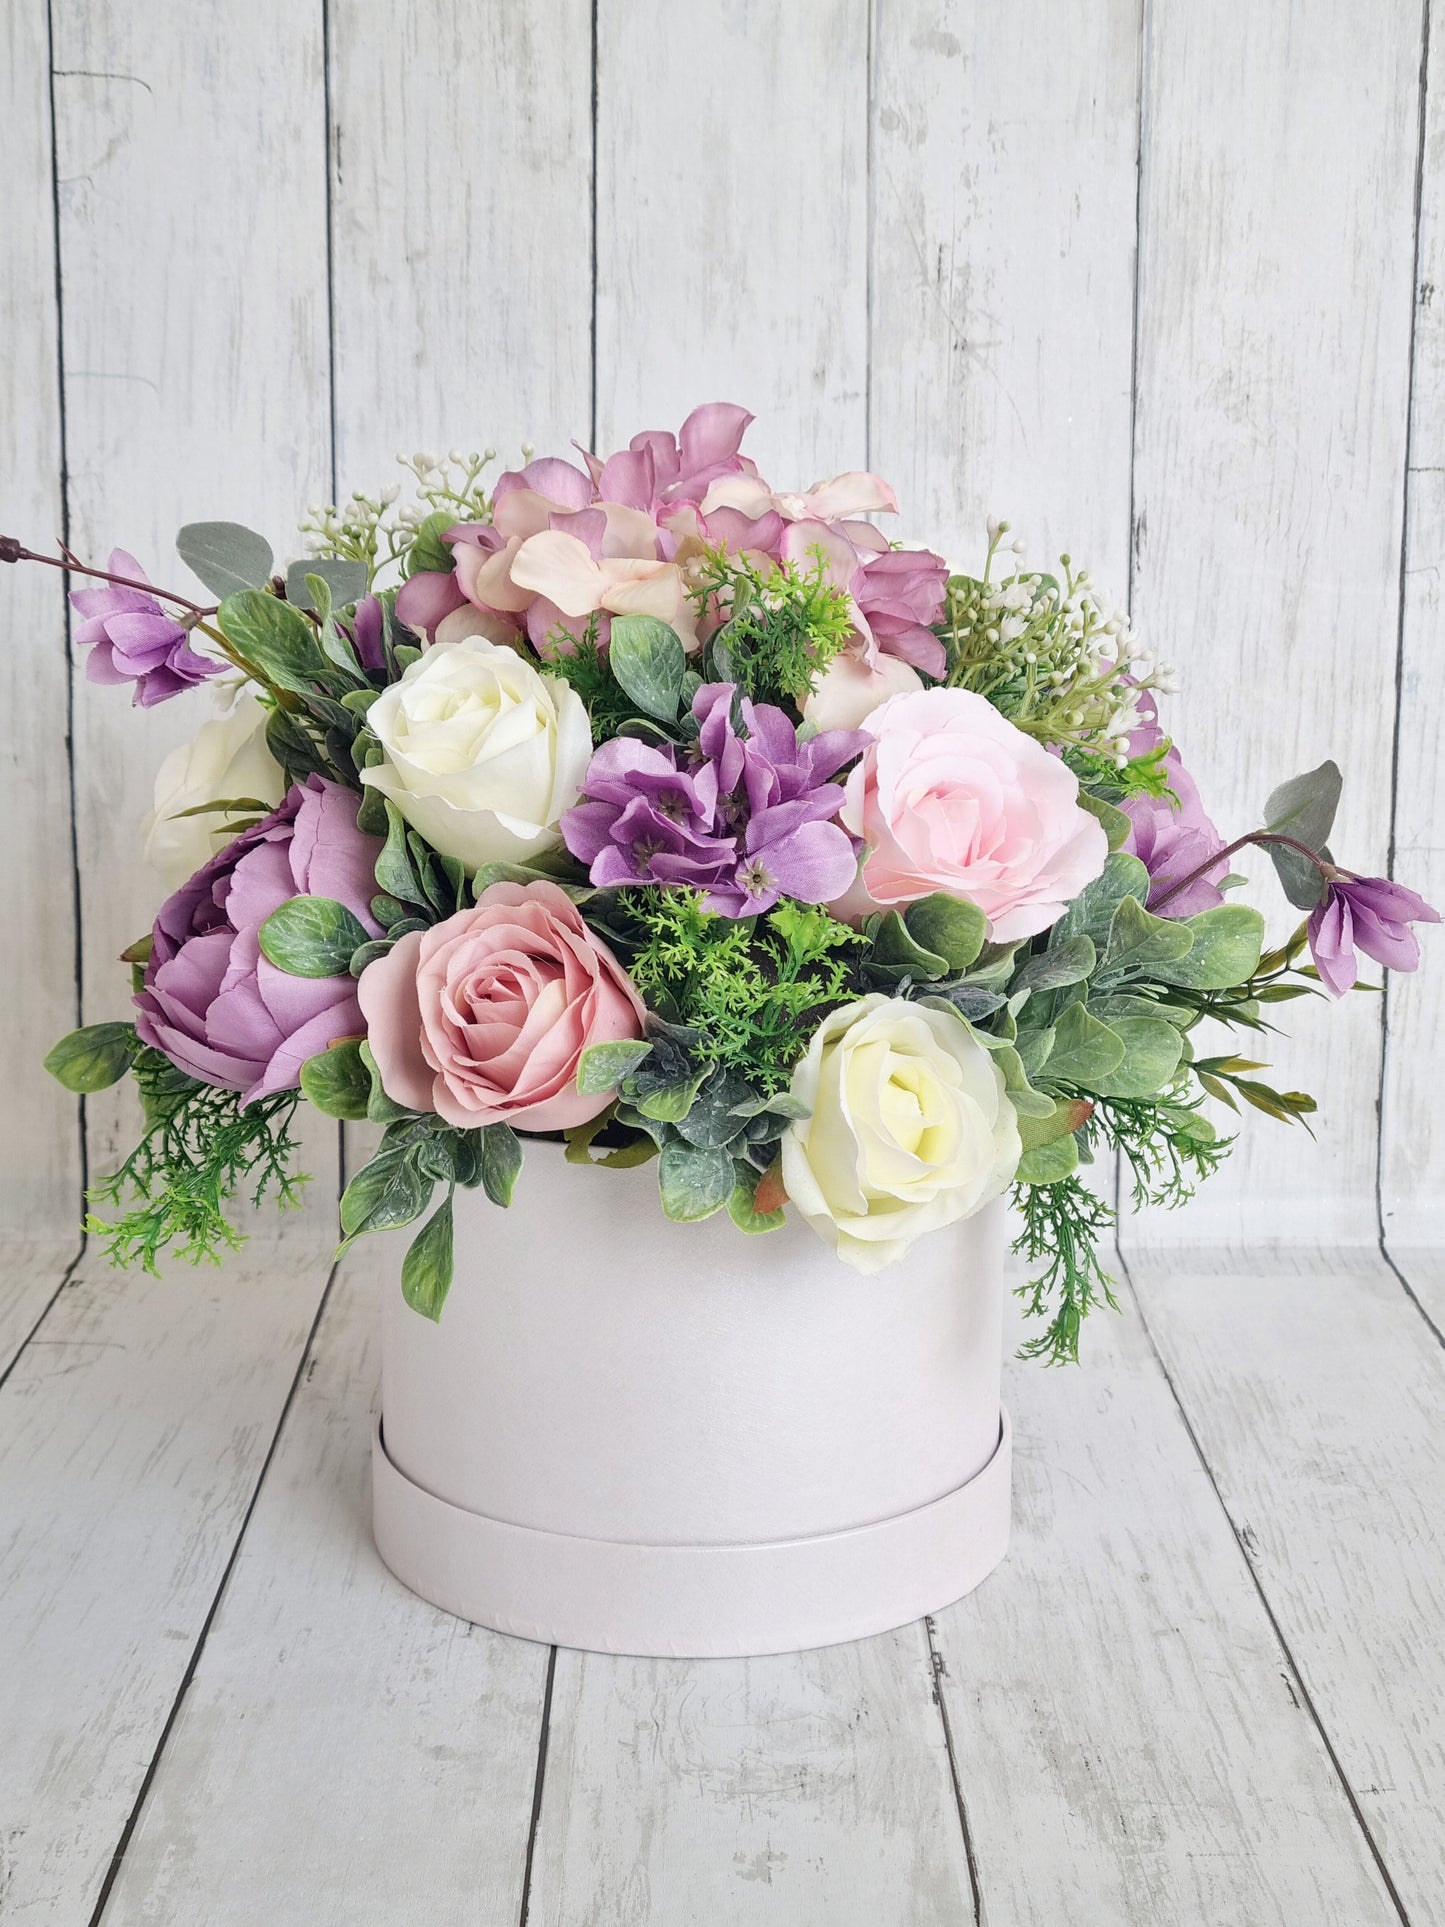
[(482, 1019), (950, 796)]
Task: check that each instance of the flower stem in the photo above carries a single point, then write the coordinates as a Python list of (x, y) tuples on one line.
[(12, 550), (1259, 837)]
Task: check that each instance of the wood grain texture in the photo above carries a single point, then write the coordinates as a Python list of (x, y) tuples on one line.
[(378, 1757), (1275, 268), (462, 229), (810, 1789), (30, 1276), (1315, 1390), (1131, 1741), (39, 1123), (1002, 338), (1412, 1147), (133, 1430), (193, 251), (732, 227)]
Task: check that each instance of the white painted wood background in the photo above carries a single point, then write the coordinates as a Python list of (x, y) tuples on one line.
[(1164, 280)]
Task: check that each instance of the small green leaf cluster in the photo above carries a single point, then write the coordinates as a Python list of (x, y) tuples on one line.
[(754, 989), (642, 687), (201, 1147), (713, 1135), (310, 674), (417, 1152), (781, 627)]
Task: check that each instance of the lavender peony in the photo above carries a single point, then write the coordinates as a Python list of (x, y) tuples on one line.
[(211, 1001)]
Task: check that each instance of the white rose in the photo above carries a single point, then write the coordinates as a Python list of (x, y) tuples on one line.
[(226, 761), (910, 1129), (483, 754)]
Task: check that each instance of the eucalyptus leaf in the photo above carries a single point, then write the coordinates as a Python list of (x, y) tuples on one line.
[(648, 660), (694, 1182), (427, 1268), (1225, 952), (1304, 808), (1049, 1163), (428, 552), (347, 581), (275, 637), (602, 1067), (744, 1212), (501, 1162), (947, 927), (896, 954), (710, 1120), (1066, 1117), (1092, 911), (1152, 1049), (1137, 940), (1035, 1048), (667, 1103), (971, 1000), (994, 966), (312, 937), (395, 873), (92, 1058), (1085, 1050), (225, 555), (386, 1193), (1116, 824), (1020, 1092), (337, 1081), (1067, 962)]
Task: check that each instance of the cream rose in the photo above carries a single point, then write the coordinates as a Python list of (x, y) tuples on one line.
[(482, 753), (225, 761), (909, 1129)]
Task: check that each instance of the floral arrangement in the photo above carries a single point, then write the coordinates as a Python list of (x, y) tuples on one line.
[(634, 804)]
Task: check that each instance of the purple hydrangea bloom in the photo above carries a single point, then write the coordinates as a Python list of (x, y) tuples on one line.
[(212, 1002), (1372, 914), (745, 816), (132, 639)]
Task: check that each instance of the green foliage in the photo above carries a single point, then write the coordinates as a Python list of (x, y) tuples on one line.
[(784, 625), (337, 1081), (590, 674), (426, 1270), (1303, 808), (754, 989), (1112, 781), (225, 555), (200, 1148), (1168, 1144), (93, 1058), (646, 657), (311, 937), (1064, 1225)]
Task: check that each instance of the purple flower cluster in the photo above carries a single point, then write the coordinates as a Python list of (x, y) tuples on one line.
[(132, 639), (1172, 836), (745, 815)]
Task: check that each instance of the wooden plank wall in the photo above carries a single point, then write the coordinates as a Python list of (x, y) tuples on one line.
[(1160, 282), (1143, 296)]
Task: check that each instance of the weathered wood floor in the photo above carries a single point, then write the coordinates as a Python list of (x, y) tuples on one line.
[(1207, 1686)]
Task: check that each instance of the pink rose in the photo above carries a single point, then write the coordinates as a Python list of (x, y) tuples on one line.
[(950, 796), (482, 1019)]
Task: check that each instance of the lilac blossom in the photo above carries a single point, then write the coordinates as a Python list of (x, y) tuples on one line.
[(1372, 914), (132, 639), (744, 815)]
